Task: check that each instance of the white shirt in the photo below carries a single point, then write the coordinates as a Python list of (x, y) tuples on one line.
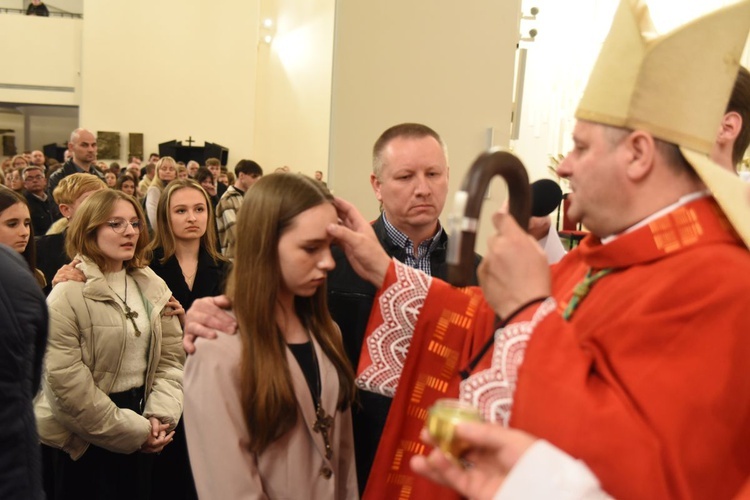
[(546, 472)]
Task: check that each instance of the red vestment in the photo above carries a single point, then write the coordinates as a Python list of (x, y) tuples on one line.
[(647, 382)]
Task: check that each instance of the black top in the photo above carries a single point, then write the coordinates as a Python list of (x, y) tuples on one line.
[(41, 212), (209, 281), (37, 10), (51, 256), (304, 355)]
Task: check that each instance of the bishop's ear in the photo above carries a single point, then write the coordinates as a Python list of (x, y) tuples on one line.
[(641, 148)]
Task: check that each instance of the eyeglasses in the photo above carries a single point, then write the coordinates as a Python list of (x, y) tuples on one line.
[(34, 177), (119, 225)]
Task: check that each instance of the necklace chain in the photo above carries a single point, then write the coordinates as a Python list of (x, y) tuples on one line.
[(323, 422), (129, 313)]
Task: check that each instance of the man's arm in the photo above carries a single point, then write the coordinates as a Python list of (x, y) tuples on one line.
[(204, 318)]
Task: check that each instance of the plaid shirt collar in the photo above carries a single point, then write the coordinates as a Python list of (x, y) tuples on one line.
[(422, 260)]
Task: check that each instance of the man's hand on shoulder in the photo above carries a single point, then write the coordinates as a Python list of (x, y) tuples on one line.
[(204, 318), (69, 272)]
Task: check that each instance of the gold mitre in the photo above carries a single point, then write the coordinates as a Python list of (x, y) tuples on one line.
[(676, 86)]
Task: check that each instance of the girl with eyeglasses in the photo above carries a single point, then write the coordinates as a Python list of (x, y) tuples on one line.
[(112, 390), (166, 172)]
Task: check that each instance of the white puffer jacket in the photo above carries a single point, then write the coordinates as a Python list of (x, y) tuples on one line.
[(84, 354)]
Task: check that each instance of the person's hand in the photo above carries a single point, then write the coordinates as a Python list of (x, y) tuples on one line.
[(362, 248), (174, 308), (158, 438), (515, 269), (539, 226), (68, 272), (204, 318), (493, 452)]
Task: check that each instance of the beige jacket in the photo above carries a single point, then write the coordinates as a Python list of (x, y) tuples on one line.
[(292, 467), (84, 352)]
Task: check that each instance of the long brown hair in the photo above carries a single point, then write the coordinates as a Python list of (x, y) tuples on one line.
[(268, 397), (164, 237), (95, 211)]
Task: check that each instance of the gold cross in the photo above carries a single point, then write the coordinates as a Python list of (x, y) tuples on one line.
[(130, 314), (323, 425)]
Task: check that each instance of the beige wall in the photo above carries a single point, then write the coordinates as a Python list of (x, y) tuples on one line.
[(44, 69), (294, 86), (443, 63), (170, 70)]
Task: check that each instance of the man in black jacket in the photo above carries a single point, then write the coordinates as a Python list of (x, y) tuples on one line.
[(410, 179), (83, 149), (41, 205)]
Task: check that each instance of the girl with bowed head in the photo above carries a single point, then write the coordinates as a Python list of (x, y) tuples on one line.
[(267, 411), (112, 390)]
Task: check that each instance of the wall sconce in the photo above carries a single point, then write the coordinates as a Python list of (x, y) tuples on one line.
[(267, 31), (530, 38), (534, 11)]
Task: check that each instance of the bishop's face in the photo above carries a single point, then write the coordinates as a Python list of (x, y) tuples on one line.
[(594, 168)]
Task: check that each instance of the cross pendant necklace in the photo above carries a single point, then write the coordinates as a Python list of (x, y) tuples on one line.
[(323, 422), (129, 313)]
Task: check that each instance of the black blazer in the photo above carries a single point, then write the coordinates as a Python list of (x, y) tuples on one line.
[(51, 256), (209, 278)]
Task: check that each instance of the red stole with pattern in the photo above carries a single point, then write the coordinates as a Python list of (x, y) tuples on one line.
[(452, 326)]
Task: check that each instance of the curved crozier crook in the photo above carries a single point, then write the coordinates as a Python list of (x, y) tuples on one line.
[(467, 205)]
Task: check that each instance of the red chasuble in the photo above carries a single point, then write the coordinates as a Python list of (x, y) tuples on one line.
[(646, 380)]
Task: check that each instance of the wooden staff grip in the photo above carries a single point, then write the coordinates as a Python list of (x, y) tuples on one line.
[(464, 219)]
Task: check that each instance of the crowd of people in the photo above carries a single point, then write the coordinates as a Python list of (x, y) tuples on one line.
[(215, 334)]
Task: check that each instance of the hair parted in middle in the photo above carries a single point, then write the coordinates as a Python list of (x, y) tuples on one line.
[(8, 198), (268, 398), (95, 211), (164, 237), (157, 182)]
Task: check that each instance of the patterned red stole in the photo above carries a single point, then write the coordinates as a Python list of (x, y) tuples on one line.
[(440, 347)]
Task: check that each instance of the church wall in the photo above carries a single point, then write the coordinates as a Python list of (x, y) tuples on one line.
[(294, 85), (171, 70), (443, 63)]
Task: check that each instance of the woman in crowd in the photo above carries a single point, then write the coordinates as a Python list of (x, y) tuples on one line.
[(16, 231), (166, 171), (186, 258), (182, 172), (19, 162), (14, 180), (126, 184), (205, 178), (267, 411), (111, 179), (112, 391)]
